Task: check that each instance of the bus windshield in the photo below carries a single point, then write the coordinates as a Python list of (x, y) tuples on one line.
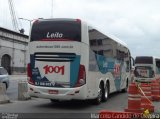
[(143, 72), (56, 30)]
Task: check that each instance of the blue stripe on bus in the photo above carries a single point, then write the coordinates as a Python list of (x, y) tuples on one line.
[(74, 70), (32, 61), (108, 65)]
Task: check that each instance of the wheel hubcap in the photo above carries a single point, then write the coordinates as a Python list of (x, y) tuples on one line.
[(106, 92)]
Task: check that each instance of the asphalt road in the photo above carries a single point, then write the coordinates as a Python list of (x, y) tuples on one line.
[(116, 102)]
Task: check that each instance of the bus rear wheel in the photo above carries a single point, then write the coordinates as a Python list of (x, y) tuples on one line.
[(99, 97), (105, 93)]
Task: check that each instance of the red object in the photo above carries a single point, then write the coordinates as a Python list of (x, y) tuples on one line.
[(52, 39), (106, 114), (134, 99), (29, 74), (53, 91), (78, 20), (146, 102), (81, 76), (146, 88), (54, 69), (155, 89)]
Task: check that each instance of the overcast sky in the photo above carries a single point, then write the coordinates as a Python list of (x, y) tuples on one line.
[(136, 22)]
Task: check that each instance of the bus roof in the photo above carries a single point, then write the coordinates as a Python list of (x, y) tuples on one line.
[(114, 38), (154, 57)]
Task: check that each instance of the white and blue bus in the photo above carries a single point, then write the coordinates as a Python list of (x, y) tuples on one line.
[(68, 59), (147, 68)]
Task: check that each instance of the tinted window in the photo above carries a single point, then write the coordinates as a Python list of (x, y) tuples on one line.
[(2, 71), (67, 30), (144, 60), (143, 72), (99, 43)]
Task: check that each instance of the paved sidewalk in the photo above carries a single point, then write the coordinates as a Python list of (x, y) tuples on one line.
[(18, 77)]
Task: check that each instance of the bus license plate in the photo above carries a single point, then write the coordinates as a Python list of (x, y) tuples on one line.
[(53, 91)]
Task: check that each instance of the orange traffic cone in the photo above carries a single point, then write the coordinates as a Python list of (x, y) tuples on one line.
[(134, 99), (146, 102), (155, 89)]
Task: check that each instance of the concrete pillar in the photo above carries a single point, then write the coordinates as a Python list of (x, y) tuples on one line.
[(3, 97), (23, 90)]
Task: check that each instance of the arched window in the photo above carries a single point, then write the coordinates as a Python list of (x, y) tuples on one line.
[(6, 62)]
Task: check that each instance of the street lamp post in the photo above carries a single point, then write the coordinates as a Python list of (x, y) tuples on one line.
[(25, 51)]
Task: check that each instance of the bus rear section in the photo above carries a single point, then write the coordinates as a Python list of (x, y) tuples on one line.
[(56, 69), (144, 69)]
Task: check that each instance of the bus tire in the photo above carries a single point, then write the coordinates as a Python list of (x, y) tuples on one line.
[(126, 88), (105, 92), (98, 100), (54, 100)]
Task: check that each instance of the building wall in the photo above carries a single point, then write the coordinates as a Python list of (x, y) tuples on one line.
[(14, 45)]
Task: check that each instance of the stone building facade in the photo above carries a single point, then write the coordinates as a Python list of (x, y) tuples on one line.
[(13, 51)]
